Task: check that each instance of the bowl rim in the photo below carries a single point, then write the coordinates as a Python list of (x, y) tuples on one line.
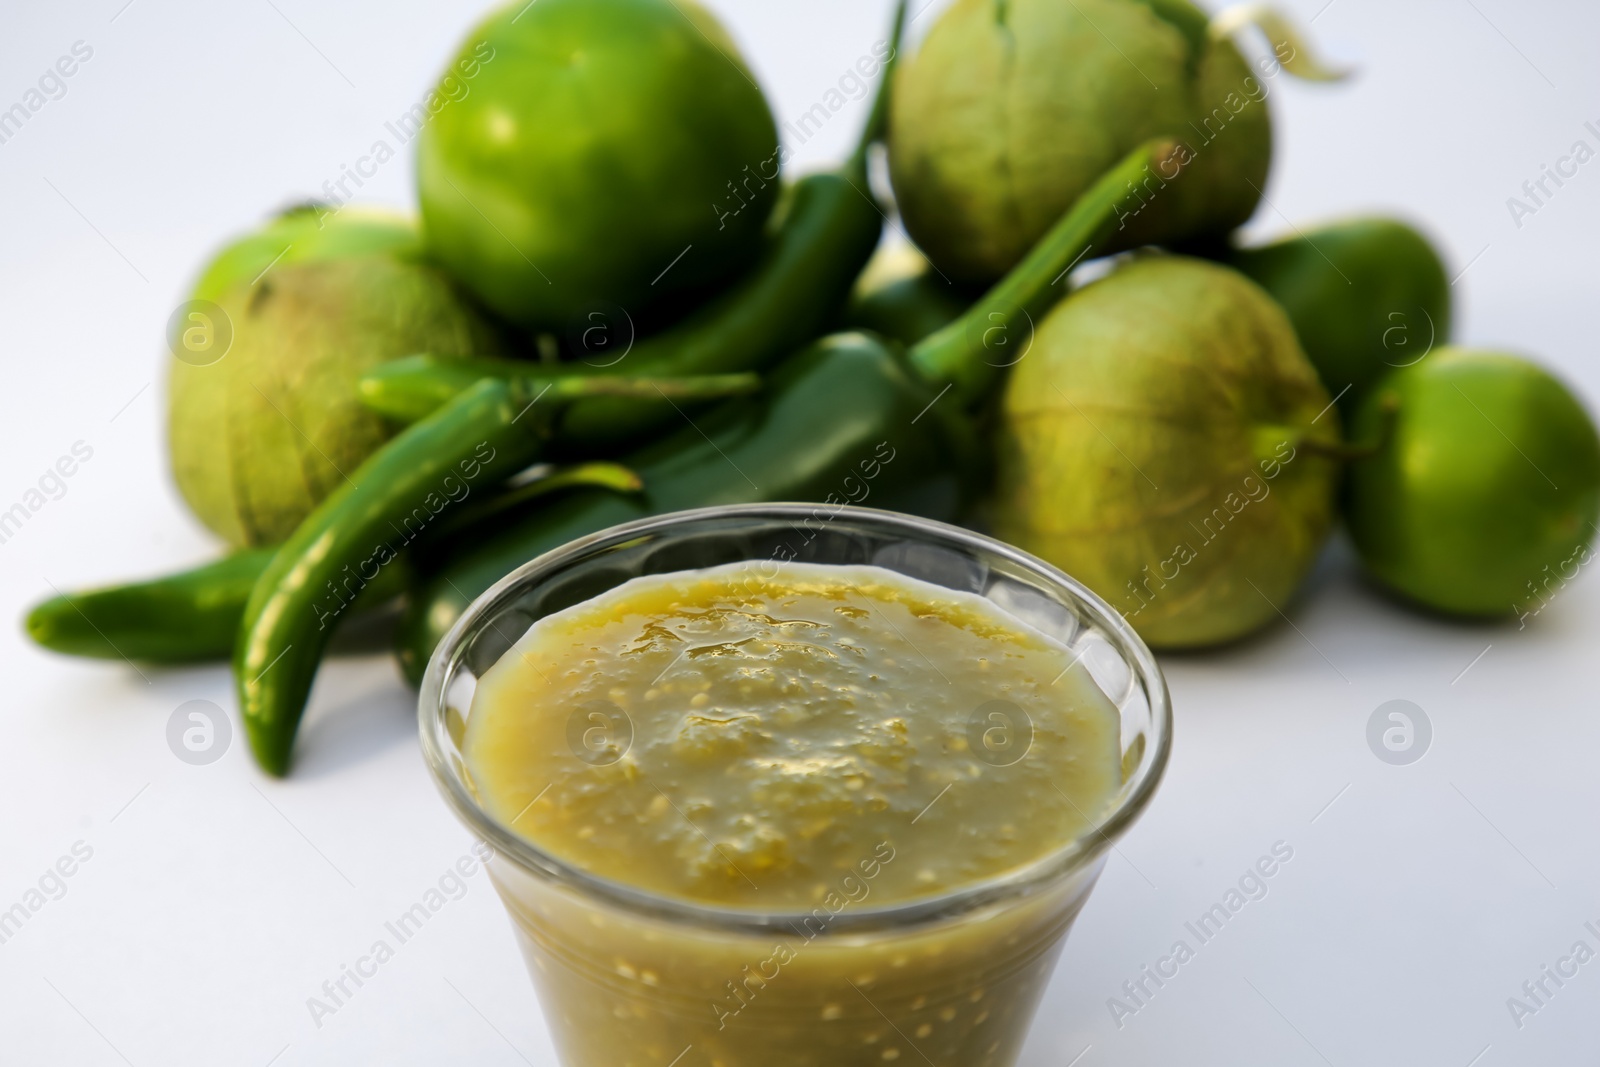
[(1035, 876)]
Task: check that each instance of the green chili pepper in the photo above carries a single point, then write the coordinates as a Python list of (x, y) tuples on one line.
[(900, 296), (827, 231), (1365, 295), (969, 355), (838, 422), (848, 420), (186, 617), (480, 438), (193, 616)]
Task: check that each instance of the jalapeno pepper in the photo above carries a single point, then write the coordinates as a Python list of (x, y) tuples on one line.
[(845, 407), (480, 438)]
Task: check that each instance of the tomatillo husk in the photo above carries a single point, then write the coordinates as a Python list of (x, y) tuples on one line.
[(1484, 497), (309, 233), (269, 425), (1012, 108), (1164, 440)]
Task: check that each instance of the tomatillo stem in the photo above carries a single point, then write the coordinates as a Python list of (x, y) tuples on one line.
[(1288, 43), (1350, 452)]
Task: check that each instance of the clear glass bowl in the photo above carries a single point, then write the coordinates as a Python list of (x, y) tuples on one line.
[(628, 978)]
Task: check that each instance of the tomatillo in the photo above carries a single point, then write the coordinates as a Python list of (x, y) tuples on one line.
[(308, 233), (1011, 108), (1164, 439), (593, 152), (1365, 294), (1484, 498)]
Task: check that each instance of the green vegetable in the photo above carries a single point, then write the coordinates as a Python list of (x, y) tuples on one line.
[(414, 387), (1012, 108), (847, 420), (598, 474), (837, 423), (1485, 497), (187, 617), (1365, 295), (824, 234), (309, 233), (193, 616), (476, 441), (1164, 442), (614, 151), (900, 296), (262, 434), (996, 332), (827, 230), (998, 323)]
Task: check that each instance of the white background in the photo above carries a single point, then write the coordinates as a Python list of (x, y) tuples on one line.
[(217, 901)]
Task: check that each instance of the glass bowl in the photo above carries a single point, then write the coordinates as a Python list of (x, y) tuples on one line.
[(629, 977)]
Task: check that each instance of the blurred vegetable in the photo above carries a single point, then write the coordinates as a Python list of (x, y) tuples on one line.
[(970, 355), (193, 616), (1485, 498), (868, 448), (613, 151), (188, 617), (262, 432), (480, 438), (304, 234), (900, 296), (1365, 295), (847, 420), (824, 232), (1161, 443), (1013, 107)]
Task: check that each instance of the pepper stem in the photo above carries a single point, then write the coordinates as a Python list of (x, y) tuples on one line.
[(877, 126), (566, 387), (412, 388), (602, 475), (969, 355)]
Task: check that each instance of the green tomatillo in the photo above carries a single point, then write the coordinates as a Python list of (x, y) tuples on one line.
[(1484, 498), (262, 427), (1365, 295), (1165, 441), (1013, 107), (607, 152), (309, 233)]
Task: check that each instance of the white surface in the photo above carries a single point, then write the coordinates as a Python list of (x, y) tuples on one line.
[(217, 901)]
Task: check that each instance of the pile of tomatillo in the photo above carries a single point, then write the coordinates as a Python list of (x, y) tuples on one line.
[(615, 302)]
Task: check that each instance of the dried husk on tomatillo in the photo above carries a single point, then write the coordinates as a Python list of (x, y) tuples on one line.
[(1012, 108), (1159, 443), (260, 436)]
